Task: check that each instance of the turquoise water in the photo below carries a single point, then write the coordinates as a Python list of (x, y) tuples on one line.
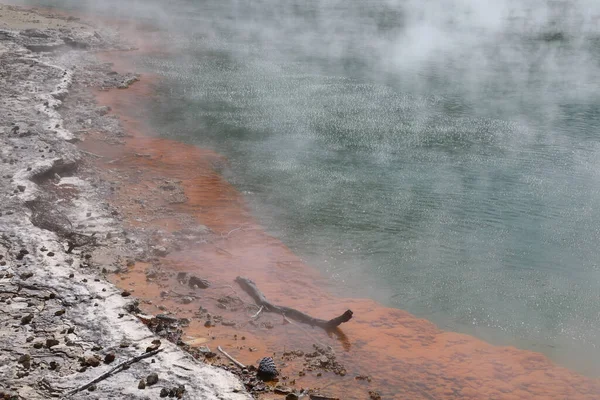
[(440, 158)]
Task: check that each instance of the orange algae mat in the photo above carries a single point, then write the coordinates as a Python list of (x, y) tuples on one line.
[(404, 356)]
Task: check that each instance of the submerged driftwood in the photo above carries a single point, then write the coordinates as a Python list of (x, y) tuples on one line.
[(250, 287)]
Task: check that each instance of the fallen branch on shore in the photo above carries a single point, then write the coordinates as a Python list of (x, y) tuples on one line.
[(250, 287), (233, 360), (116, 369)]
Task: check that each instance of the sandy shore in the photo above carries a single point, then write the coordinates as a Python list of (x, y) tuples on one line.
[(62, 323)]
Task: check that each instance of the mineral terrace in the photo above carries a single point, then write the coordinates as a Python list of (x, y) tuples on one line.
[(62, 324)]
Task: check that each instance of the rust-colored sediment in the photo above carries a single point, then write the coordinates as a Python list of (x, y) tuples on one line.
[(406, 357)]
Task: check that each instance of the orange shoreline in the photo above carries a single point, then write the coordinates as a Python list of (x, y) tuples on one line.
[(406, 357)]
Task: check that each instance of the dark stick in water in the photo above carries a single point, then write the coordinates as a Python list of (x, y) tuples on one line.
[(250, 287)]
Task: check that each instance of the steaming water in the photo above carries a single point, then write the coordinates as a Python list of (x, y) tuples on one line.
[(441, 158)]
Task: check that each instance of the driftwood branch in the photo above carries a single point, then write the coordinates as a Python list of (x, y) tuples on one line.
[(250, 287), (236, 362), (116, 369)]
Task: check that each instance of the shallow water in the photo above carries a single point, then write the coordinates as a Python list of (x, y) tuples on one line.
[(440, 159)]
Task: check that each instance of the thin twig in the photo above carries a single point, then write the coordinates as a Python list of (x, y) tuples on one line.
[(236, 362), (91, 154), (223, 250), (177, 294), (115, 160), (182, 367), (259, 311), (233, 230), (116, 369)]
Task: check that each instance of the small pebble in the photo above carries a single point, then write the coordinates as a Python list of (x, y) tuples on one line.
[(152, 379), (26, 319)]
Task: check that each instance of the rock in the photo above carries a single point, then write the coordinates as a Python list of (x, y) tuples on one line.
[(133, 307), (152, 379), (26, 275), (179, 391), (267, 369), (109, 358), (151, 274), (164, 392), (26, 319), (59, 312), (282, 390), (198, 282), (373, 395), (75, 44), (160, 251), (25, 361), (102, 111), (34, 33), (167, 319), (92, 361), (128, 82), (292, 396), (142, 384), (51, 342), (125, 293), (154, 346)]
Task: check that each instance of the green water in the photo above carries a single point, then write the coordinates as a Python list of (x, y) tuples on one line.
[(440, 158)]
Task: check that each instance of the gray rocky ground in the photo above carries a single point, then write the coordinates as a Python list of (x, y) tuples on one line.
[(62, 324)]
